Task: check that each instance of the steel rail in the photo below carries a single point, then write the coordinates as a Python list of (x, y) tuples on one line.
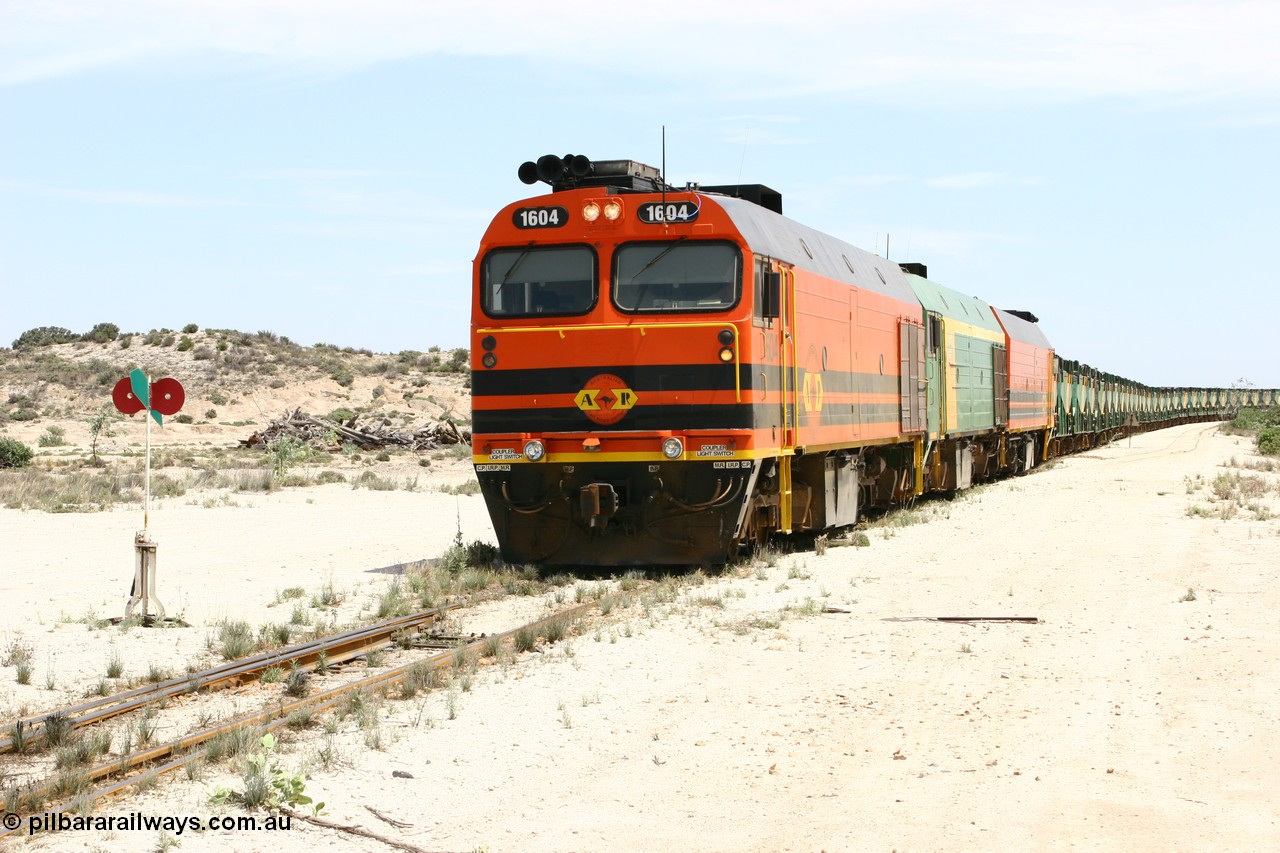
[(337, 648), (270, 718)]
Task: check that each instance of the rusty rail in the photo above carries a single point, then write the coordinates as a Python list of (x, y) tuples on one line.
[(337, 648), (272, 718)]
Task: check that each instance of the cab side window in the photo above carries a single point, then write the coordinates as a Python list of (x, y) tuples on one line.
[(761, 273)]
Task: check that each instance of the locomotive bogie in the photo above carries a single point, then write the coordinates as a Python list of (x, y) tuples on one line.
[(618, 512)]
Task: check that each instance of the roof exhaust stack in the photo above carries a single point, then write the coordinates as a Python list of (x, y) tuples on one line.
[(755, 193)]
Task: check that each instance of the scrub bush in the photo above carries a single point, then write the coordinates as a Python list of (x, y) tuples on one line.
[(14, 454), (44, 335), (103, 333), (1269, 441)]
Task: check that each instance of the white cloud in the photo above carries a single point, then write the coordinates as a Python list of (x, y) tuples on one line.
[(969, 180), (325, 174), (925, 51), (874, 180), (126, 198), (944, 243), (17, 70), (461, 271), (1251, 120)]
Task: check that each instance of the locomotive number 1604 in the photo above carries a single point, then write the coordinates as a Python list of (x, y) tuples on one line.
[(656, 212), (540, 217)]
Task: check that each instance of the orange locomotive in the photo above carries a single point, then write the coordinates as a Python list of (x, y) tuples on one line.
[(661, 376)]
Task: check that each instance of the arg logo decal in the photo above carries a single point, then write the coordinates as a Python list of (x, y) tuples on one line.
[(605, 399), (811, 393)]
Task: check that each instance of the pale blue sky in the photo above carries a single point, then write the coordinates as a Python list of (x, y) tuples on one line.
[(325, 170)]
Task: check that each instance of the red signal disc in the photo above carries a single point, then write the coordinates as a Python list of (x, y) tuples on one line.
[(122, 396), (167, 396)]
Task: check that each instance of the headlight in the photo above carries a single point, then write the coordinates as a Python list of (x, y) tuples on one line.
[(591, 211), (612, 210), (673, 448), (534, 450)]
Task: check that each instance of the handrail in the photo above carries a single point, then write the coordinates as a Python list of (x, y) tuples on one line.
[(795, 362)]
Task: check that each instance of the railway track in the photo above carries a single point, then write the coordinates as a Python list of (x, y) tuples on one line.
[(335, 649), (140, 766)]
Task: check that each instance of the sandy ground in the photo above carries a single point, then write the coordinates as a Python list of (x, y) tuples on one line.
[(739, 715)]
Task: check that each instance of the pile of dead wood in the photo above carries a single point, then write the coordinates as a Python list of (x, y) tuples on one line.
[(372, 434)]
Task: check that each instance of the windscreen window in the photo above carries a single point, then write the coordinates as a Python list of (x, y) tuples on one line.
[(677, 276), (542, 281)]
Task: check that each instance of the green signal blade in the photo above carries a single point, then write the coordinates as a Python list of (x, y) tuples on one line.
[(157, 416), (141, 388)]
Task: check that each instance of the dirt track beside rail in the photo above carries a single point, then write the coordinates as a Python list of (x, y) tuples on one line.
[(1139, 714)]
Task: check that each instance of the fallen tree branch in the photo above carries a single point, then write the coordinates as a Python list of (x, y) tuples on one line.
[(355, 830), (398, 824), (325, 434)]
